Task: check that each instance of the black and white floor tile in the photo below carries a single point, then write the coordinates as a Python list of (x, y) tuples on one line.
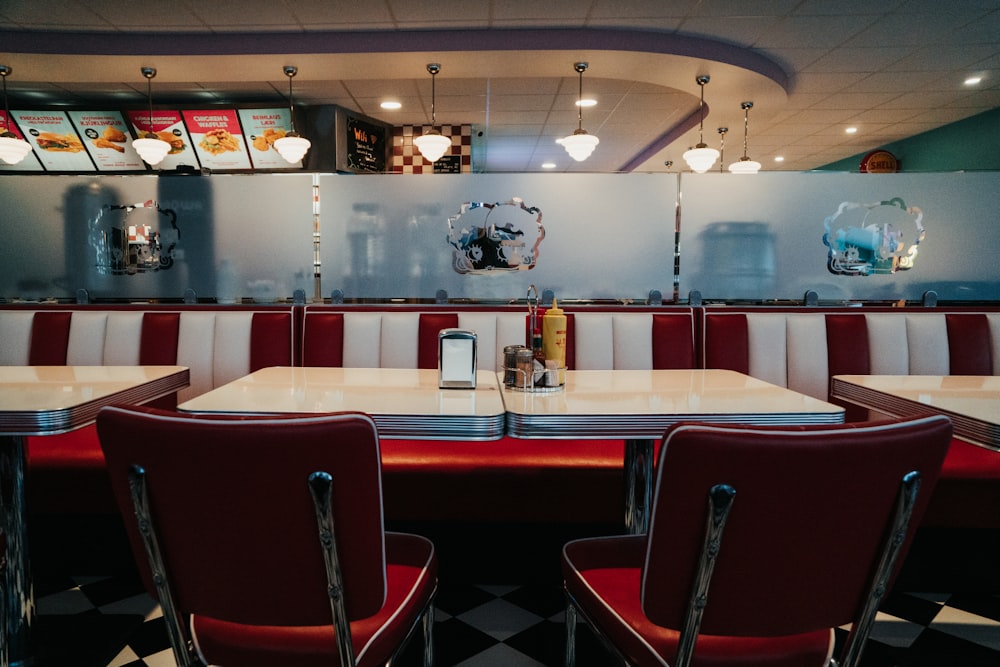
[(110, 622)]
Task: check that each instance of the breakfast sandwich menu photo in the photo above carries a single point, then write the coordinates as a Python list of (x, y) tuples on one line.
[(107, 139), (56, 143), (168, 126), (217, 138)]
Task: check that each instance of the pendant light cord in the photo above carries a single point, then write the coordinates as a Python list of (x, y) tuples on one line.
[(149, 96), (746, 126), (6, 105), (434, 72), (291, 72), (701, 112), (579, 99)]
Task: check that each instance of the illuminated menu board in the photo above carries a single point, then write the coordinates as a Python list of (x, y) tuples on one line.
[(262, 127), (30, 162), (217, 138), (168, 126), (106, 136), (56, 143)]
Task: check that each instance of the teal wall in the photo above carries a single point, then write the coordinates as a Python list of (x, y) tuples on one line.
[(972, 144)]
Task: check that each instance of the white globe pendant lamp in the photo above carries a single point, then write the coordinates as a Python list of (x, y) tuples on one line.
[(745, 165), (293, 146), (12, 149), (149, 146), (701, 157), (432, 145), (580, 144)]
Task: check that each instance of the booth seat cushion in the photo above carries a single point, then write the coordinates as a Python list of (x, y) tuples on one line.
[(802, 348), (968, 491), (509, 480), (367, 337), (66, 471)]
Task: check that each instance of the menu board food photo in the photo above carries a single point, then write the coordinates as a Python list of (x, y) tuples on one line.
[(217, 138), (262, 127), (29, 162), (168, 126), (107, 139), (51, 134)]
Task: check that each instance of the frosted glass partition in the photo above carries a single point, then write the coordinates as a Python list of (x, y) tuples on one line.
[(64, 233), (490, 236), (606, 236), (381, 236), (762, 237)]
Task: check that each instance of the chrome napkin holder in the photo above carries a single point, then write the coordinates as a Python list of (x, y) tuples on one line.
[(457, 359)]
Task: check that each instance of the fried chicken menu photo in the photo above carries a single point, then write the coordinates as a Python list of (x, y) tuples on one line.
[(106, 137), (56, 143), (217, 138), (262, 127)]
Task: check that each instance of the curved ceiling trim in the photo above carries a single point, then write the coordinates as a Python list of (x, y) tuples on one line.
[(400, 41)]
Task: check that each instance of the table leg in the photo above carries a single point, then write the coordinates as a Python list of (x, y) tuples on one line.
[(17, 600), (638, 485)]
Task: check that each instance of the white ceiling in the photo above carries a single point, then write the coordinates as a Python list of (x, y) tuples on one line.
[(892, 68)]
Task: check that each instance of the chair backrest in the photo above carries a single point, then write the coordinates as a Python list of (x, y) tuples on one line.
[(811, 512), (234, 516)]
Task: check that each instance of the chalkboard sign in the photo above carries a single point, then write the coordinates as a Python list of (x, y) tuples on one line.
[(448, 164), (363, 144)]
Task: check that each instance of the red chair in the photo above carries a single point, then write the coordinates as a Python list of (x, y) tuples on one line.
[(265, 537), (799, 530)]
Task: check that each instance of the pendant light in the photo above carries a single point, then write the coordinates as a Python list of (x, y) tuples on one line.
[(433, 144), (149, 146), (722, 145), (745, 165), (12, 149), (701, 157), (292, 146), (579, 145)]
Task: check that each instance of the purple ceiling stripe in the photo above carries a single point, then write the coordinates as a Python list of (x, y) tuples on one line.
[(391, 41)]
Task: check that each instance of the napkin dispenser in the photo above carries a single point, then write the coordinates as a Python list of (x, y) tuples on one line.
[(456, 359)]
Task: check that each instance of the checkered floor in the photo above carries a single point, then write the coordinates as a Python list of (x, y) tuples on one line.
[(515, 619), (111, 622)]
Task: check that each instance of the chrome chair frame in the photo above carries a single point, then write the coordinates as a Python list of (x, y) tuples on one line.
[(321, 489), (720, 502)]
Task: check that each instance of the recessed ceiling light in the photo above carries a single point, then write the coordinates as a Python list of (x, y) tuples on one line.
[(391, 106), (973, 80), (586, 103), (548, 165), (779, 158), (851, 130)]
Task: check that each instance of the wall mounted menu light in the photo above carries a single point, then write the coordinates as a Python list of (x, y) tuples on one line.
[(149, 146), (745, 165), (701, 157), (12, 149), (292, 146), (433, 144), (579, 145)]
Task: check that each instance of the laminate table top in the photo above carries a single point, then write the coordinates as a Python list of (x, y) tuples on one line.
[(971, 401), (404, 403)]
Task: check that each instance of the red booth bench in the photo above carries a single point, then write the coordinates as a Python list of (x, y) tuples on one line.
[(542, 481), (802, 348)]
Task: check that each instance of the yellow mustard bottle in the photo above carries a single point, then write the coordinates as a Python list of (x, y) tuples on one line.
[(554, 339)]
